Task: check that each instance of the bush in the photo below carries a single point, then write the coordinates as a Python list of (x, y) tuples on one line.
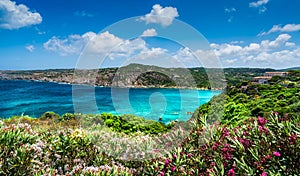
[(259, 146), (49, 115), (68, 116)]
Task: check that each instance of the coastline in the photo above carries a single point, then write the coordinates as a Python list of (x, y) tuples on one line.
[(110, 86)]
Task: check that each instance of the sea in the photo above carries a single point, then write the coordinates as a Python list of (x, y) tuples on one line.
[(33, 98)]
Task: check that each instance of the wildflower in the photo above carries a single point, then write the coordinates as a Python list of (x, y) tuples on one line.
[(175, 156), (57, 156), (173, 168), (276, 153), (261, 121), (161, 174), (213, 164), (268, 157), (225, 132), (167, 162), (292, 138), (228, 156), (231, 172), (264, 174)]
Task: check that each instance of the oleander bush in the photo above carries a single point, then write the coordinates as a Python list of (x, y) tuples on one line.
[(267, 145), (259, 146)]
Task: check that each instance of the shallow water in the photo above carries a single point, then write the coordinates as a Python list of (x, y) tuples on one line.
[(35, 98)]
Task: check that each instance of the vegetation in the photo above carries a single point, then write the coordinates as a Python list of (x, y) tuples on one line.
[(282, 96), (142, 75), (258, 146), (258, 134)]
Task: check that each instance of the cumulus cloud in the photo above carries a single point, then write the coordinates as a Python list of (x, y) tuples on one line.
[(73, 44), (93, 43), (149, 33), (17, 16), (159, 15), (278, 53), (30, 48), (285, 28), (260, 4)]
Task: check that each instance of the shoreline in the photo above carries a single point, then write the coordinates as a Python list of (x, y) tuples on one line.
[(110, 86)]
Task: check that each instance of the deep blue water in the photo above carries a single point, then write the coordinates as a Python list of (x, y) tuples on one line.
[(35, 98)]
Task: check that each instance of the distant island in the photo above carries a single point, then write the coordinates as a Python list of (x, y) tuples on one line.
[(137, 75)]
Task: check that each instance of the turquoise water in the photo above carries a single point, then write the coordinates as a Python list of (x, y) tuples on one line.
[(35, 98)]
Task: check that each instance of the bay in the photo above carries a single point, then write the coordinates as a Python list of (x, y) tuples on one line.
[(33, 98)]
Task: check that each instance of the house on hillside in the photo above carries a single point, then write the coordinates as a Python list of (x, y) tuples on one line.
[(261, 79), (276, 74), (267, 77)]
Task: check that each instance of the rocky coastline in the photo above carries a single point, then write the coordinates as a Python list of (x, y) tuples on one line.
[(137, 76)]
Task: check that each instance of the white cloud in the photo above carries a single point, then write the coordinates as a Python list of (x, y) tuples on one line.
[(229, 10), (260, 4), (160, 15), (278, 53), (74, 44), (285, 28), (289, 44), (30, 48), (103, 43), (17, 16), (149, 33)]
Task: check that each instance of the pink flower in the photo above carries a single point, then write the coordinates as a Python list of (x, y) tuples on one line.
[(231, 172), (276, 153), (225, 132), (268, 157), (167, 162), (162, 174), (264, 174), (292, 138), (228, 156), (173, 168), (213, 164), (261, 121), (175, 156)]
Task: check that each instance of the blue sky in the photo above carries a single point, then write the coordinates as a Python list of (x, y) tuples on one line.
[(62, 33)]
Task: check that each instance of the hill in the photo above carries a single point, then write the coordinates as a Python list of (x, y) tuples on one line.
[(137, 75)]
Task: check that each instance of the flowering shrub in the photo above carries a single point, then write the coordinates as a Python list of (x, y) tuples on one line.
[(65, 152), (259, 146)]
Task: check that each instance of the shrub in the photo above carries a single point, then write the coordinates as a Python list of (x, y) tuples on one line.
[(49, 115), (260, 145)]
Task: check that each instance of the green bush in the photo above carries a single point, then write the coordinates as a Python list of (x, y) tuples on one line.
[(49, 115)]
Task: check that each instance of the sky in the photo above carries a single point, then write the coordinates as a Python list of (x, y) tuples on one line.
[(46, 34)]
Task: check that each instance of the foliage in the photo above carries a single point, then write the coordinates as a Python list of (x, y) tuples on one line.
[(259, 146), (254, 100), (132, 124), (49, 115)]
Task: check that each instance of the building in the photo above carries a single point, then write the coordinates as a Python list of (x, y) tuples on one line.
[(267, 77), (261, 79), (276, 74)]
